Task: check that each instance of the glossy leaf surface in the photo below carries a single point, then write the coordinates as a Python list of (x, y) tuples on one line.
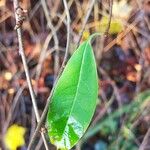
[(74, 100)]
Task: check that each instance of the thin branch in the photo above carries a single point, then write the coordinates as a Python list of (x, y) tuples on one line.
[(145, 140), (61, 69), (110, 16), (23, 57), (90, 7), (53, 30), (42, 56), (13, 106), (113, 84), (57, 27), (68, 31), (120, 36), (139, 2)]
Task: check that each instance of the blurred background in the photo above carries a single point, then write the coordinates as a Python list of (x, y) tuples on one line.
[(122, 117)]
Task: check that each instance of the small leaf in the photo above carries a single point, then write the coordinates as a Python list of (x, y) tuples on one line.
[(85, 35), (14, 137), (127, 133), (74, 100), (116, 25)]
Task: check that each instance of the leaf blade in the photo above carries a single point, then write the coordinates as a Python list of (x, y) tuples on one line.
[(74, 99)]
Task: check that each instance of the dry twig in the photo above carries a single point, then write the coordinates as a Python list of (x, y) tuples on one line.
[(23, 57), (90, 7)]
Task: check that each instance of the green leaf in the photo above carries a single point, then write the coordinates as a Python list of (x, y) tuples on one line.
[(74, 99), (131, 109)]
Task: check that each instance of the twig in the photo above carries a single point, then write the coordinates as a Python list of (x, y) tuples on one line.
[(48, 39), (120, 36), (33, 124), (110, 16), (13, 106), (139, 2), (144, 142), (38, 146), (61, 69), (55, 8), (104, 110), (53, 30), (42, 56), (91, 5), (68, 31), (35, 8), (23, 57), (116, 91)]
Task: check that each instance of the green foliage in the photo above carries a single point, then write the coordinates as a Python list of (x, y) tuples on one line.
[(109, 125), (74, 99)]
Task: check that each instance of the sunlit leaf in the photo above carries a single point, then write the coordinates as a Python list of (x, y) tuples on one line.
[(74, 99), (14, 137)]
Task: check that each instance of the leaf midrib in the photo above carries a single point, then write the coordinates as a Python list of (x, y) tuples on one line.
[(77, 87)]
